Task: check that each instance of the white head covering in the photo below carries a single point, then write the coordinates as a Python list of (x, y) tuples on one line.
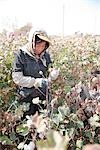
[(40, 33)]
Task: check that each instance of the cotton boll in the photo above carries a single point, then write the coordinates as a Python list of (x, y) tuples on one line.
[(21, 145), (30, 146), (40, 72), (29, 123)]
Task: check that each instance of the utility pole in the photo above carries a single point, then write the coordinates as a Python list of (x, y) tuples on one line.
[(95, 22), (63, 21)]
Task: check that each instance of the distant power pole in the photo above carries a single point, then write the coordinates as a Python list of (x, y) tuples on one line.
[(95, 23), (63, 21)]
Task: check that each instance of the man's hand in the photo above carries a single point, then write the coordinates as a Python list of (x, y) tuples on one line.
[(53, 74), (40, 82)]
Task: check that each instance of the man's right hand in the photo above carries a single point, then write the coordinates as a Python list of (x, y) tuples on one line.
[(53, 74), (40, 82)]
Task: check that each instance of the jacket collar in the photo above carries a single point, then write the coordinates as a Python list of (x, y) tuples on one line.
[(28, 49)]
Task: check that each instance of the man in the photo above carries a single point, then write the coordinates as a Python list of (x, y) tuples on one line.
[(30, 66)]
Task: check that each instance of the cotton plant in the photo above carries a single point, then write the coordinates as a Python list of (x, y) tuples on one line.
[(37, 126), (38, 122), (54, 141)]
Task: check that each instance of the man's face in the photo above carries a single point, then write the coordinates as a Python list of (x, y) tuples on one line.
[(39, 47)]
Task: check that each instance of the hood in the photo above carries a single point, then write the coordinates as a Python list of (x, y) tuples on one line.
[(28, 48), (40, 34)]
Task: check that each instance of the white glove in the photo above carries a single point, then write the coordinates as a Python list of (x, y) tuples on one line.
[(53, 74), (39, 82)]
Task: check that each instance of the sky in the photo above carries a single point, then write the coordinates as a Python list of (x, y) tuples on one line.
[(57, 17)]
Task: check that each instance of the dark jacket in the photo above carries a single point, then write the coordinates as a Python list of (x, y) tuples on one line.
[(30, 66)]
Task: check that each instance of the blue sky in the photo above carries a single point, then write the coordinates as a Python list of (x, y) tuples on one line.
[(55, 16)]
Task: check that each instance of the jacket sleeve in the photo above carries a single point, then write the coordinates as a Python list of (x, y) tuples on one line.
[(17, 72)]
